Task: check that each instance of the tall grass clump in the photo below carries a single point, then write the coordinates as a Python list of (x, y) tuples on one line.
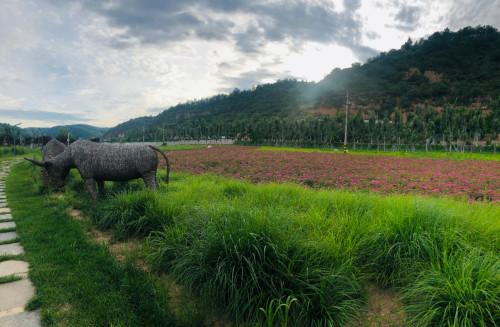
[(401, 246), (246, 262), (462, 291), (132, 214)]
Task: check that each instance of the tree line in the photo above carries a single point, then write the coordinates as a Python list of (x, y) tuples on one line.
[(451, 128)]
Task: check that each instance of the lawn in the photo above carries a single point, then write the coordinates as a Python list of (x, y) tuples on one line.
[(78, 281)]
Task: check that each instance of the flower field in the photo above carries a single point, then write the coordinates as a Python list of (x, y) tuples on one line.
[(471, 179)]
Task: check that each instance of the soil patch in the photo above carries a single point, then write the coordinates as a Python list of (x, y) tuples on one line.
[(384, 308)]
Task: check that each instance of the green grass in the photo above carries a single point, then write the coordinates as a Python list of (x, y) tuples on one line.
[(9, 279), (78, 282), (266, 254), (416, 154), (14, 240), (182, 147), (5, 230), (7, 152), (140, 213), (11, 257), (462, 290)]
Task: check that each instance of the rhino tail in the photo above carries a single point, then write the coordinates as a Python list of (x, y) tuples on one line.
[(167, 178)]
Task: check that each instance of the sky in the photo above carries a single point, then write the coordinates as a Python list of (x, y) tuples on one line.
[(103, 62)]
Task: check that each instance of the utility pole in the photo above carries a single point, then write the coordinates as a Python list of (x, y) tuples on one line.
[(345, 125), (67, 140), (142, 133)]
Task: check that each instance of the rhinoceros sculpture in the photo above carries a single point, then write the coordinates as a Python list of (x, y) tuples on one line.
[(100, 162)]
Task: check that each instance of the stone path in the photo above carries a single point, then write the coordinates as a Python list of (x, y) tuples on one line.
[(13, 295)]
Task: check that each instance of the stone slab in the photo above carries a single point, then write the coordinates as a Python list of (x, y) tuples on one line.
[(14, 267), (4, 210), (16, 294), (8, 236), (22, 319), (9, 224), (5, 216), (11, 249)]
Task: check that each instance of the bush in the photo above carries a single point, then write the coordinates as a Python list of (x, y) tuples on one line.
[(463, 290)]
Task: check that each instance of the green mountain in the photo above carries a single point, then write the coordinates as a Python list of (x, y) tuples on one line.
[(76, 131), (442, 88)]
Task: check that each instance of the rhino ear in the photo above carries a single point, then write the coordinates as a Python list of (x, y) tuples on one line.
[(38, 163)]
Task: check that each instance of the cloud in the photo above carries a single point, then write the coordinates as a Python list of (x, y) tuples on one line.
[(48, 116), (250, 79), (408, 17), (250, 25), (473, 12)]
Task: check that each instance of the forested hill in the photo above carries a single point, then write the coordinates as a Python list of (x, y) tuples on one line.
[(76, 131), (444, 87)]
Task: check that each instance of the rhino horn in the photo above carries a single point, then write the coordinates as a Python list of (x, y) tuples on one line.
[(37, 162)]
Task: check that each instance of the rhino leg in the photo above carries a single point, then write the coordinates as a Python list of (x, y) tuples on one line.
[(90, 185), (100, 186), (150, 180)]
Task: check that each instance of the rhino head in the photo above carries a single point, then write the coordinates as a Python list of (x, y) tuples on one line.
[(56, 171)]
